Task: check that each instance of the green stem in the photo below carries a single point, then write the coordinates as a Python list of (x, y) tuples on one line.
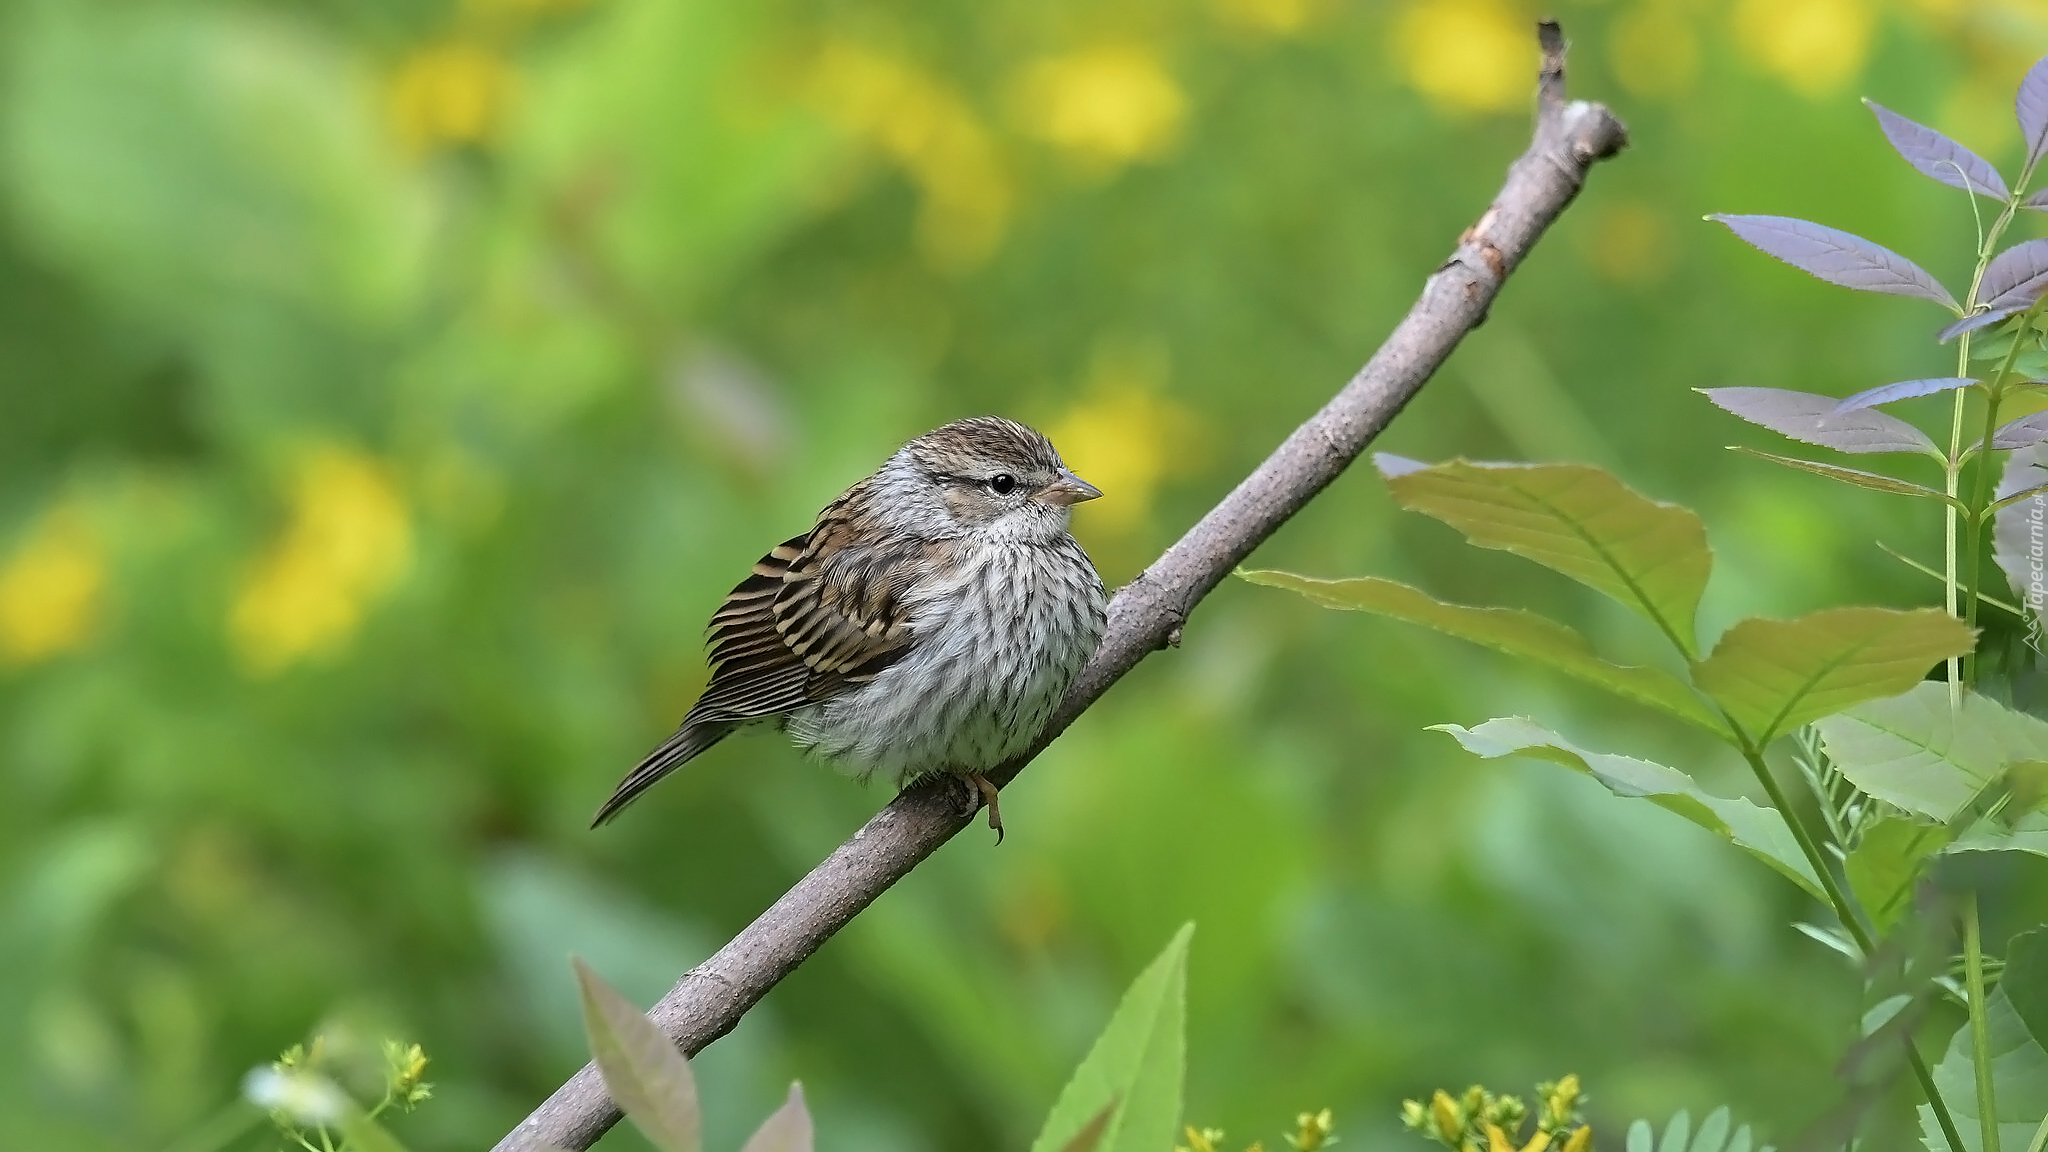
[(1838, 899), (1980, 1025), (1922, 1073), (2040, 1136), (1847, 915), (1953, 469)]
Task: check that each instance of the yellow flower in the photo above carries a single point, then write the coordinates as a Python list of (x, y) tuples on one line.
[(1815, 46), (1654, 51), (348, 540), (1125, 437), (938, 141), (1469, 55), (50, 588), (450, 94), (1580, 1139), (1265, 17), (1103, 106)]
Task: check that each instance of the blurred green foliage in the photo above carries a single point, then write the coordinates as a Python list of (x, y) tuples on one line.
[(389, 390)]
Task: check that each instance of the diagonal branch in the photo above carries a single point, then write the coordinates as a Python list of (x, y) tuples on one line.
[(1147, 614)]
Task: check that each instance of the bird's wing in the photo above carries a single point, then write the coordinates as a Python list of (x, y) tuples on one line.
[(821, 613)]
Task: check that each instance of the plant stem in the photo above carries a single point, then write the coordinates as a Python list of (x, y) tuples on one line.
[(1922, 1073), (1838, 899), (1953, 471), (1980, 1025), (1847, 914)]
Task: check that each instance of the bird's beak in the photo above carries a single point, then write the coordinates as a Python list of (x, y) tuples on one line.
[(1068, 489)]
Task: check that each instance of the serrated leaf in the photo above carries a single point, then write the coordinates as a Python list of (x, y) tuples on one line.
[(787, 1129), (2016, 276), (2024, 432), (1875, 481), (1772, 676), (1903, 390), (1885, 864), (1814, 419), (644, 1072), (2025, 981), (1973, 322), (2023, 494), (1838, 257), (2019, 1076), (1090, 1136), (1938, 156), (1757, 830), (1512, 631), (2030, 107), (1918, 752), (1136, 1065), (1578, 520)]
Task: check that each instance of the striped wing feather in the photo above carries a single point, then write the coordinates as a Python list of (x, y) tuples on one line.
[(820, 613)]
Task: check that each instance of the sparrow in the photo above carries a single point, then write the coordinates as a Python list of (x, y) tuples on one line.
[(928, 623)]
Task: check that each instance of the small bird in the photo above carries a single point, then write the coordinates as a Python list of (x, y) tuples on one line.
[(928, 622)]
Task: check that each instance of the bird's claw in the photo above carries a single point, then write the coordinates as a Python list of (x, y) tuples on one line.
[(989, 796)]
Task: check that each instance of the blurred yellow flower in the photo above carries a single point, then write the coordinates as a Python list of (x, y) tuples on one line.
[(1630, 243), (1469, 55), (1267, 17), (348, 540), (50, 588), (1124, 437), (521, 9), (934, 136), (1814, 46), (450, 94), (1104, 106), (1654, 51)]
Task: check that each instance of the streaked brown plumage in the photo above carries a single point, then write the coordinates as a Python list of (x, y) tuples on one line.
[(928, 622)]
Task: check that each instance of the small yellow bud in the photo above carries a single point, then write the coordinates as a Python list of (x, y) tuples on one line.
[(1579, 1140), (1538, 1142), (1496, 1140), (1449, 1121)]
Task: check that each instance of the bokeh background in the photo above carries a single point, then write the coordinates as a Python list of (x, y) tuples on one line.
[(389, 389)]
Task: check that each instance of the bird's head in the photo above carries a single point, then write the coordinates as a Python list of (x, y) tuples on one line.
[(992, 477)]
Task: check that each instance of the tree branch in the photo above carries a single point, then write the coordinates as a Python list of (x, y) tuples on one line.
[(1147, 615)]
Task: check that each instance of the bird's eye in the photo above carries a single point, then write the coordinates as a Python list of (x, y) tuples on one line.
[(1002, 483)]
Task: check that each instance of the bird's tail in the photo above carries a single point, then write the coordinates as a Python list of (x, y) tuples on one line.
[(690, 739)]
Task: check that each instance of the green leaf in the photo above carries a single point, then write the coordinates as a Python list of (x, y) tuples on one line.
[(1774, 675), (1508, 630), (2019, 1073), (1885, 864), (1136, 1066), (1640, 1138), (1757, 830), (1918, 752), (2025, 981), (1856, 477), (1090, 1136), (366, 1135), (788, 1129), (643, 1070), (1578, 520), (1676, 1133)]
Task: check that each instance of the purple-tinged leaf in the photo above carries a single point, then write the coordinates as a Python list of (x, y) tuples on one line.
[(1938, 156), (1903, 390), (1874, 481), (1806, 417), (1973, 322), (1391, 465), (2038, 201), (1838, 257), (2024, 432), (2031, 106), (2016, 276), (2020, 530)]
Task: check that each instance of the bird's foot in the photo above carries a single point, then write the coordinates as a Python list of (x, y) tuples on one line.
[(989, 797)]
